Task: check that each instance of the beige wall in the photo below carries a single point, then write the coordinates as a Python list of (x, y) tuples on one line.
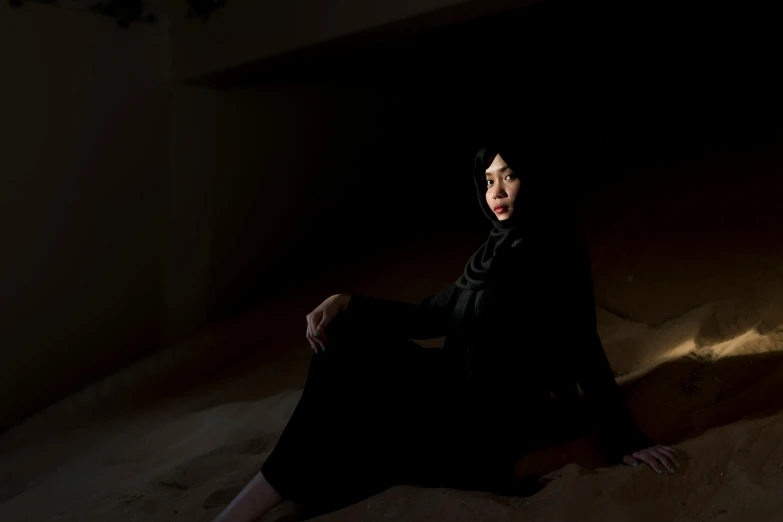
[(83, 190)]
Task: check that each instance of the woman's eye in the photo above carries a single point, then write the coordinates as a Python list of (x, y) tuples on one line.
[(512, 176)]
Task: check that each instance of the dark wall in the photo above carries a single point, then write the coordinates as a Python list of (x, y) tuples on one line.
[(612, 98), (136, 213), (83, 195)]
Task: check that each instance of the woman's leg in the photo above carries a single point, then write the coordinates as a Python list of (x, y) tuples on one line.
[(253, 501), (353, 420)]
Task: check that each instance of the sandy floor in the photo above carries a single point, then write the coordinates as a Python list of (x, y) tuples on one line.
[(696, 340), (693, 381)]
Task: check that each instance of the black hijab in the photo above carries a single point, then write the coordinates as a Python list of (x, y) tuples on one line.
[(483, 264), (544, 156), (542, 215)]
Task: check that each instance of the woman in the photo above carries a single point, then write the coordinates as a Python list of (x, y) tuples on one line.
[(378, 409)]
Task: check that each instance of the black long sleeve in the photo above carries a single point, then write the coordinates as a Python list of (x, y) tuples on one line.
[(429, 319), (618, 433)]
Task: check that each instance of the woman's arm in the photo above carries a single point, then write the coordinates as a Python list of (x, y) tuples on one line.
[(429, 319)]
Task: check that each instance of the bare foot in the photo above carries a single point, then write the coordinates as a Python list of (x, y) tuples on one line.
[(254, 501), (286, 511)]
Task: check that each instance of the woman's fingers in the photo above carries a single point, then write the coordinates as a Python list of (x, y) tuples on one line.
[(310, 335), (319, 332), (663, 458), (318, 320), (320, 335), (648, 459), (671, 453), (325, 320), (631, 461), (315, 331), (657, 459)]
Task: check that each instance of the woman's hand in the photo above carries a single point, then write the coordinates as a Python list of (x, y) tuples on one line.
[(322, 316), (657, 457)]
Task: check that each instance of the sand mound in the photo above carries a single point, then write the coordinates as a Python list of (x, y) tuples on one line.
[(138, 467), (706, 381)]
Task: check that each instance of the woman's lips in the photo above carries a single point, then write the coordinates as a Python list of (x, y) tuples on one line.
[(501, 209)]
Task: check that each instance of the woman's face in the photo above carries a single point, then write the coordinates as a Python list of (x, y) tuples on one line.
[(502, 188)]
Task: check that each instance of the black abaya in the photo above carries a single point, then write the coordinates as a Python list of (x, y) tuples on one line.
[(379, 410), (520, 329)]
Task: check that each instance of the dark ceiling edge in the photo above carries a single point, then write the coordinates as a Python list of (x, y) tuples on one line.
[(444, 17)]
